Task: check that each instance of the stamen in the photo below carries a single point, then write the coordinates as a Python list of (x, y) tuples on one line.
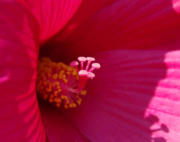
[(64, 85), (82, 60), (95, 66), (91, 75), (89, 59)]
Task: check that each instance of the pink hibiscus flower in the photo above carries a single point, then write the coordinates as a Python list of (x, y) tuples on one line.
[(136, 94)]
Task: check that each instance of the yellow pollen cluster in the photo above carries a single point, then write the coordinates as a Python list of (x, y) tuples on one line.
[(58, 84)]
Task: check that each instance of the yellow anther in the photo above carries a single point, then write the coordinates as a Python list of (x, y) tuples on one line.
[(66, 98), (59, 90), (67, 101), (72, 105), (60, 76), (62, 72), (57, 83), (74, 73), (69, 69), (58, 100), (83, 92), (65, 80), (79, 101), (64, 76), (55, 93), (55, 76)]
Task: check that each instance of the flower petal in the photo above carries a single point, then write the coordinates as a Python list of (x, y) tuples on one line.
[(121, 24), (52, 15), (58, 128), (136, 96), (20, 116)]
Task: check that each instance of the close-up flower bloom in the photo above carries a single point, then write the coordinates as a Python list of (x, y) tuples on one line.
[(89, 70)]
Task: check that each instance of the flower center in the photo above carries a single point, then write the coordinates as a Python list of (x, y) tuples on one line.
[(64, 85)]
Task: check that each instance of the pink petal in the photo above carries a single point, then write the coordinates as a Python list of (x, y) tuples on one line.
[(125, 24), (20, 116), (58, 128), (52, 15), (176, 5), (135, 97)]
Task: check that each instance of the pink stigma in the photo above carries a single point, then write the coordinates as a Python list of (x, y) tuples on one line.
[(86, 69)]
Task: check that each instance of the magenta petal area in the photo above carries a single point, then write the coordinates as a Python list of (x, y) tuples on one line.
[(52, 15), (58, 128), (121, 24), (20, 119), (135, 97)]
